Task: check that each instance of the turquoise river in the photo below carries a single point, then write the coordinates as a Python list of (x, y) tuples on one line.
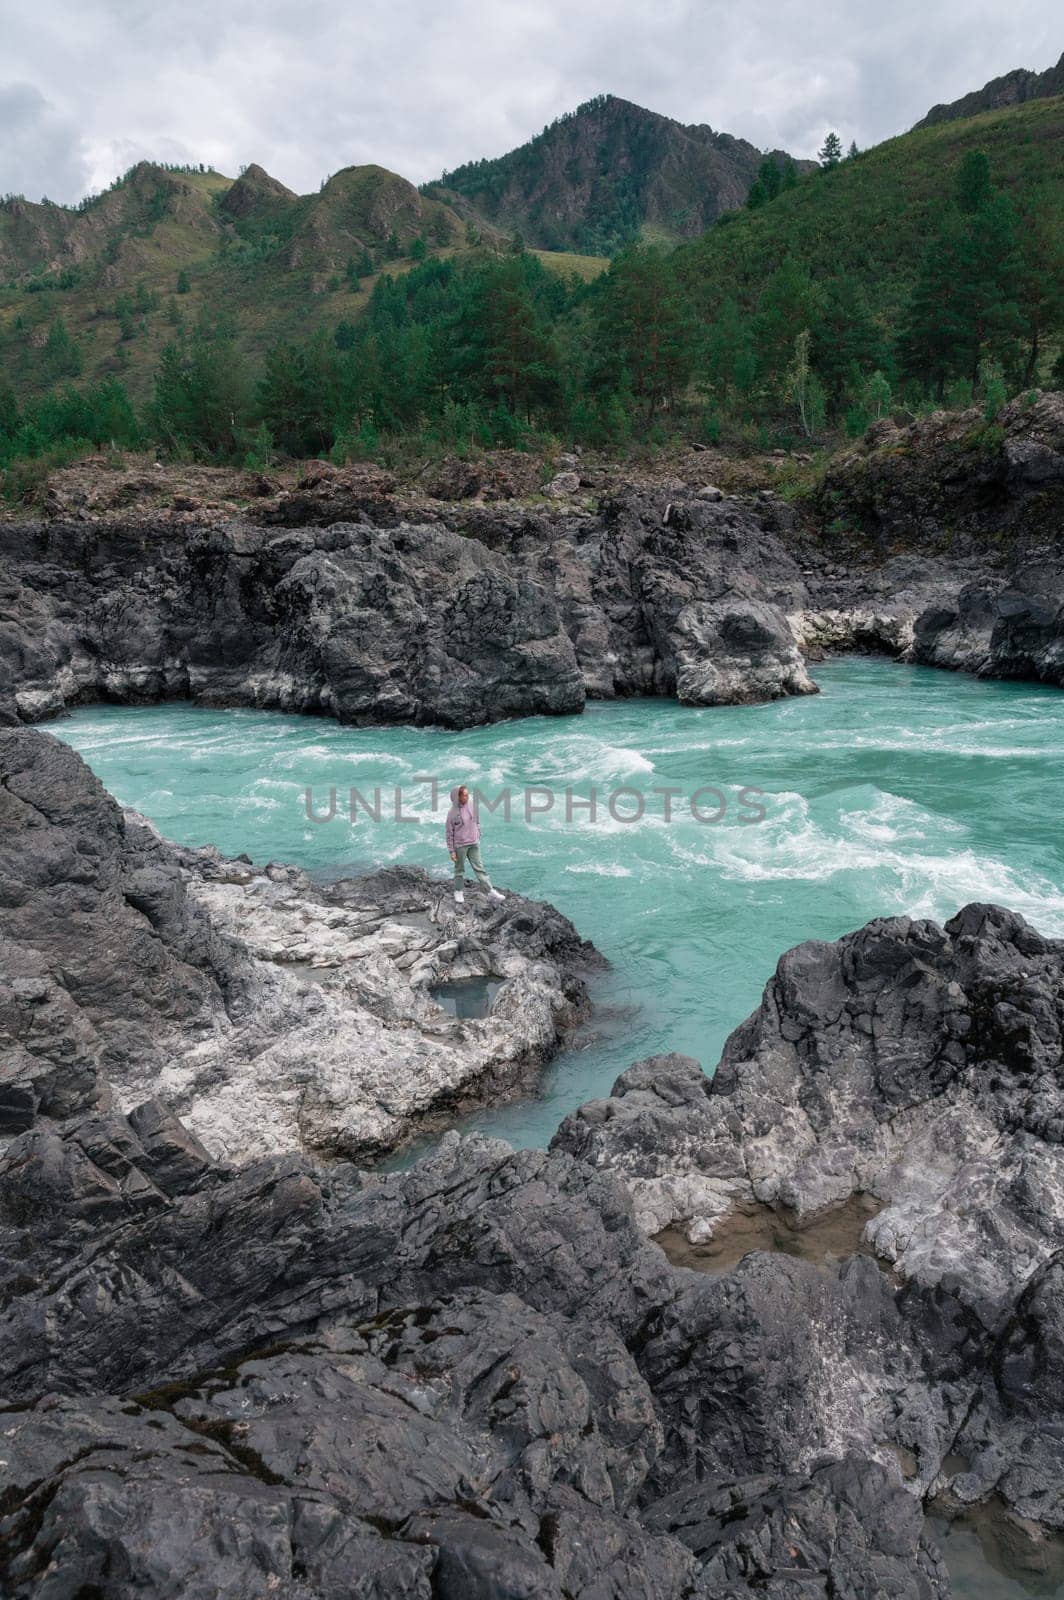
[(895, 790)]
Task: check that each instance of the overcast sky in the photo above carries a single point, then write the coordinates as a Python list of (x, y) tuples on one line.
[(305, 87)]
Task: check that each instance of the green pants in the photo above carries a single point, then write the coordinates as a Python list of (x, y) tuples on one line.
[(470, 853)]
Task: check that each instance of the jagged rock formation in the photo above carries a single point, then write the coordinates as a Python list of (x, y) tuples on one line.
[(916, 1064), (593, 178), (1011, 89), (472, 1379), (936, 542), (273, 1014), (938, 481), (410, 625)]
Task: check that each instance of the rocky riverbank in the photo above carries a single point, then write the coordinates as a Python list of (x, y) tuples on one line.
[(272, 1013), (349, 596), (479, 1377)]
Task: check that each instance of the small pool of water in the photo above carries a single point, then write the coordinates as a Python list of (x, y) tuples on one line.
[(467, 997)]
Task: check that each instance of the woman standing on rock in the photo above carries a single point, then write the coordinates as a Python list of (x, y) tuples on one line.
[(463, 841)]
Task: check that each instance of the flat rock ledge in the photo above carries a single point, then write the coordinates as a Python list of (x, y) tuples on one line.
[(272, 1013)]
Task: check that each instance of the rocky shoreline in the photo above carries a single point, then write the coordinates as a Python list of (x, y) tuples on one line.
[(479, 1377), (272, 1013), (344, 597), (234, 1362)]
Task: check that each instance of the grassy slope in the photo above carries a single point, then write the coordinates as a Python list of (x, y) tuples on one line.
[(871, 216), (273, 268)]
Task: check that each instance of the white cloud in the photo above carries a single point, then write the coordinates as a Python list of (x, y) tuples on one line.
[(307, 86)]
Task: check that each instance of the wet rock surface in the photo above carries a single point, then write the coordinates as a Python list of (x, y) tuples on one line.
[(271, 1012)]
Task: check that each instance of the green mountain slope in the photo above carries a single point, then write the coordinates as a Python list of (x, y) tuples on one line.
[(98, 291), (605, 174), (869, 219)]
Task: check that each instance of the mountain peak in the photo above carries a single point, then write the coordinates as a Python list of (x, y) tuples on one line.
[(607, 173)]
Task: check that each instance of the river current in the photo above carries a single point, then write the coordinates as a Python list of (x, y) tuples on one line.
[(895, 790)]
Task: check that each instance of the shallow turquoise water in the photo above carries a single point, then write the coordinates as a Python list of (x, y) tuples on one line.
[(897, 789)]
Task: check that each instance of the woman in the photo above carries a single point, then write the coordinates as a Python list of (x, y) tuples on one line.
[(463, 841)]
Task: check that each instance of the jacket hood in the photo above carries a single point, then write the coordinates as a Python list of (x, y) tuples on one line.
[(454, 797)]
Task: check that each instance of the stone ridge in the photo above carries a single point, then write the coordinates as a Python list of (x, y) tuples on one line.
[(1011, 89)]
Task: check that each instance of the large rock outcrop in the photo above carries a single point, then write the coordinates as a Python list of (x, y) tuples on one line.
[(920, 1065), (273, 1013), (471, 1379), (509, 613), (366, 624)]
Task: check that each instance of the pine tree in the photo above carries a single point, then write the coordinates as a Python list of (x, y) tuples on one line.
[(201, 394), (729, 362), (1040, 281), (965, 306), (786, 306), (830, 152), (846, 342), (10, 417), (62, 356), (297, 397), (646, 328), (182, 282)]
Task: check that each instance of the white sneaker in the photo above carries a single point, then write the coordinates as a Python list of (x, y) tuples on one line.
[(459, 897), (493, 894)]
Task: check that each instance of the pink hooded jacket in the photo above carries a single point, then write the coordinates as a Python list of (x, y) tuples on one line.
[(462, 824)]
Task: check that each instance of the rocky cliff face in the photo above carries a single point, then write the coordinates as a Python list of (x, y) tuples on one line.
[(349, 596), (1011, 89), (478, 1378), (411, 623), (921, 1068)]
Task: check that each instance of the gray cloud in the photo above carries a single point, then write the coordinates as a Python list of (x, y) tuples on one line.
[(41, 151), (308, 86)]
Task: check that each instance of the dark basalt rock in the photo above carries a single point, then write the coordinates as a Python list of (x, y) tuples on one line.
[(365, 624), (477, 1377), (474, 1378), (508, 614), (918, 1064), (1012, 629)]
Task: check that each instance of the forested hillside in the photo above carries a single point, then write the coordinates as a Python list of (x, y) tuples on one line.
[(370, 318)]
